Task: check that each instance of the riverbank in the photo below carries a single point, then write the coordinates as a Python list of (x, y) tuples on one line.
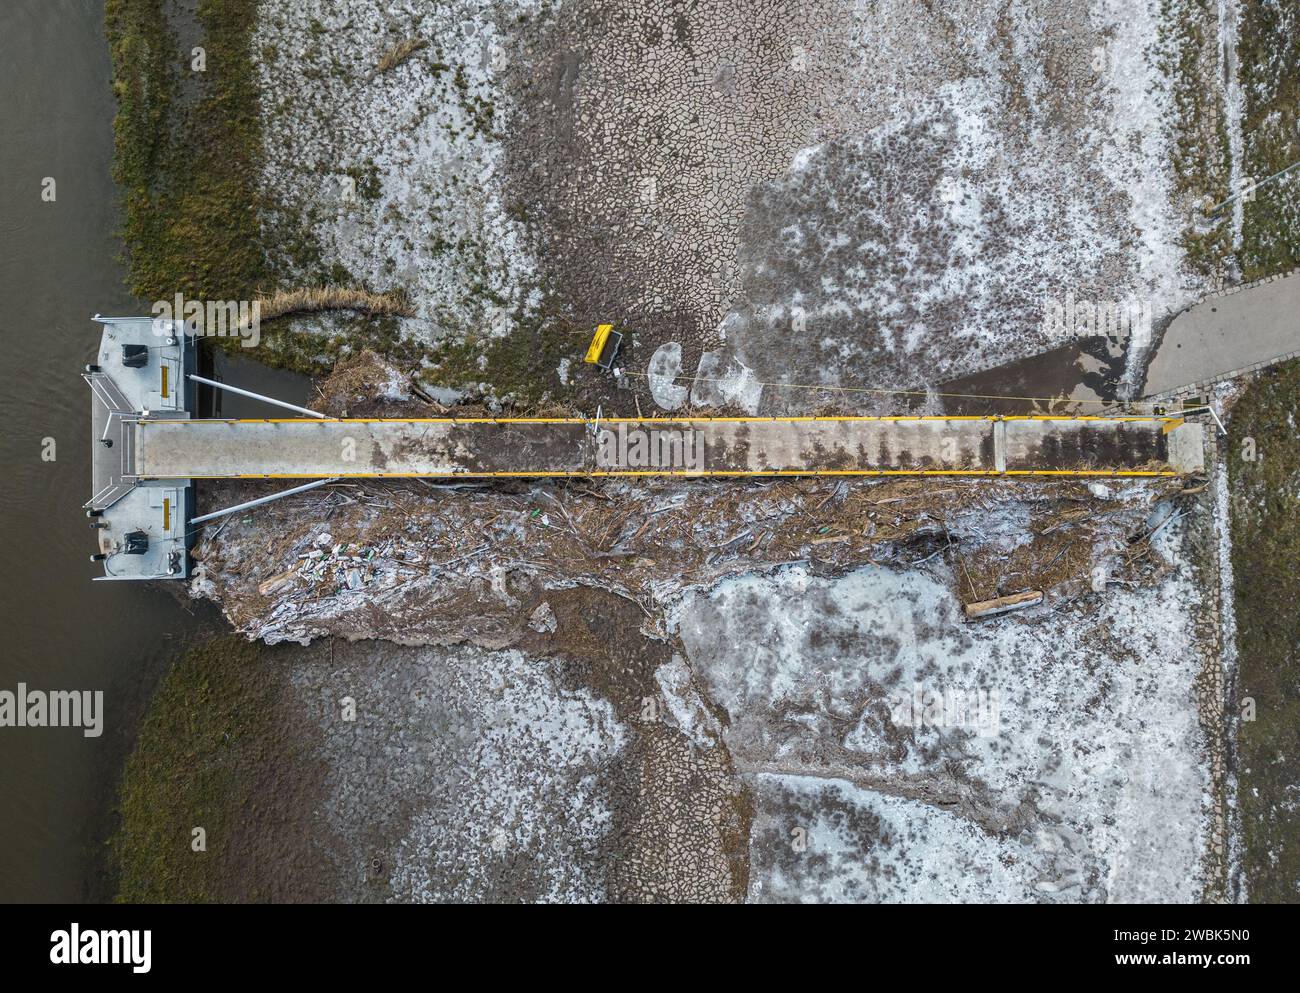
[(369, 771), (217, 802), (190, 154), (189, 146), (235, 186), (1264, 470), (1269, 54)]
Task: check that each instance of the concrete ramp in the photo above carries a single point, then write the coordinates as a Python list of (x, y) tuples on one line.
[(867, 446), (1230, 333)]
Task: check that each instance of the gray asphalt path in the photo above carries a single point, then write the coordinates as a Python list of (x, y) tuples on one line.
[(1227, 334)]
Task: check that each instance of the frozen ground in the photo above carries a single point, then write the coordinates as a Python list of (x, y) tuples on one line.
[(937, 240), (549, 772), (394, 175), (901, 189), (898, 190), (466, 775), (1078, 776)]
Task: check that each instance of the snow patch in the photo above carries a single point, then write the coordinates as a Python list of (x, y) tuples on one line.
[(665, 366), (1098, 737), (396, 174)]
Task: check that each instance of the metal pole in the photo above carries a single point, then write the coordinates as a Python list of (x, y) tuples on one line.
[(261, 500), (255, 396), (1281, 172), (1210, 411)]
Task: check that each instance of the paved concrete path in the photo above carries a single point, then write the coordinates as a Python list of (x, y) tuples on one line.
[(169, 449), (1228, 334)]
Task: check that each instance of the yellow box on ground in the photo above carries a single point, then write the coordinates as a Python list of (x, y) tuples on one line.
[(597, 345)]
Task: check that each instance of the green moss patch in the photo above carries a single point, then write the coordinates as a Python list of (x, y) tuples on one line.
[(1266, 569), (187, 167), (1201, 156), (1269, 52)]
